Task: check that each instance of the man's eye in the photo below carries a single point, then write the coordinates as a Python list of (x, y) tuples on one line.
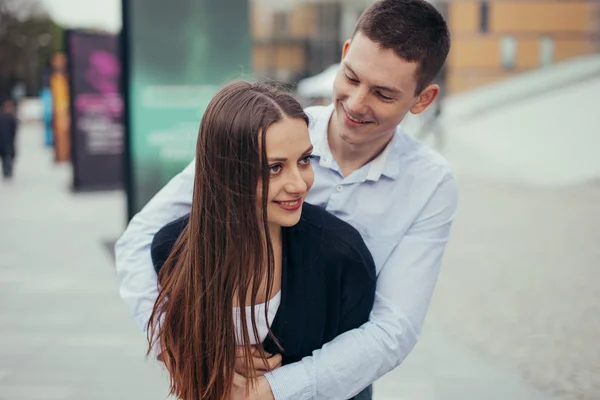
[(351, 79), (383, 97)]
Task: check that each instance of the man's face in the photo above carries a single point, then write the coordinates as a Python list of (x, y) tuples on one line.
[(373, 91)]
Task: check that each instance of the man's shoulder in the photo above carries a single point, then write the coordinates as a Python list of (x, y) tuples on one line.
[(319, 218), (421, 160), (428, 175)]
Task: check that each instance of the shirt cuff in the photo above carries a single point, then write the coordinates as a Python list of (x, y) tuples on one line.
[(293, 381)]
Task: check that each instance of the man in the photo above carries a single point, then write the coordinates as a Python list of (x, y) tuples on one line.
[(400, 195), (8, 132)]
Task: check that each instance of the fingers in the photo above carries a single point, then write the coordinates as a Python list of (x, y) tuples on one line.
[(260, 366), (271, 363), (240, 365), (239, 351)]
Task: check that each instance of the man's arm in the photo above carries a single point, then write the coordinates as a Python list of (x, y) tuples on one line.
[(132, 251), (356, 359)]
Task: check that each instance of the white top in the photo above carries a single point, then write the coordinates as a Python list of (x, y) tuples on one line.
[(403, 204), (261, 322)]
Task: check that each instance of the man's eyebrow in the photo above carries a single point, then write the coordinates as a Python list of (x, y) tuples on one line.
[(390, 89)]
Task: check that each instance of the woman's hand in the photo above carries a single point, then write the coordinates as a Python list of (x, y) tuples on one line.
[(261, 367)]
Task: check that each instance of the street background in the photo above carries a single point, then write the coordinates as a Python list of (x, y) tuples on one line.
[(516, 311)]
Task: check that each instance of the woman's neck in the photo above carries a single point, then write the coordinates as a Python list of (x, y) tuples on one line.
[(275, 233)]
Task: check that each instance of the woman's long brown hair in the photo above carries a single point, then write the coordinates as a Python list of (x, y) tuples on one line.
[(225, 251)]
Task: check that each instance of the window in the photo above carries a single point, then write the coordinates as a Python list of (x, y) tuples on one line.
[(546, 51), (508, 52), (281, 23), (483, 17)]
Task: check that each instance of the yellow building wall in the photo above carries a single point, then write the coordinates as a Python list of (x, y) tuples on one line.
[(302, 21), (284, 56), (475, 58), (540, 17)]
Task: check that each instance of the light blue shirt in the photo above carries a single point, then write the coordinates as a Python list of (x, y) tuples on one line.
[(403, 204)]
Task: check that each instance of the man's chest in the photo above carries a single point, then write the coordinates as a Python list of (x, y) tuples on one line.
[(380, 210)]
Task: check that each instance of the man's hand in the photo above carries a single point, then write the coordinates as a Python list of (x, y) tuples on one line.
[(260, 366), (262, 391)]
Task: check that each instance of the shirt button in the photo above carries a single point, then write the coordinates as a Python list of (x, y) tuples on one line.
[(340, 188)]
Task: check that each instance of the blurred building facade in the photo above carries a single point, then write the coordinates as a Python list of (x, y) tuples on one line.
[(294, 39), (491, 39), (494, 39)]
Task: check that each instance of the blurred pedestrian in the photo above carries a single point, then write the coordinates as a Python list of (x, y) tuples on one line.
[(8, 133)]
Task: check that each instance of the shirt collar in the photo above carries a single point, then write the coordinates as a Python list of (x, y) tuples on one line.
[(319, 136), (387, 163)]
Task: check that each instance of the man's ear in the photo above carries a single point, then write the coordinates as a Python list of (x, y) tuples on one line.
[(345, 48), (425, 98)]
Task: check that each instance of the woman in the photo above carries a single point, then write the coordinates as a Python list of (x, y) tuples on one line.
[(252, 263)]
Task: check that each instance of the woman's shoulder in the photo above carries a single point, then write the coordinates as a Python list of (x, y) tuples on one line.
[(165, 239), (338, 237)]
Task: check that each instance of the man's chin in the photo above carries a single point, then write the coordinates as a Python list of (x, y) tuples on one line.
[(350, 138)]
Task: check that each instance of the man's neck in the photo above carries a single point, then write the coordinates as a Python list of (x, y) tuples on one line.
[(349, 157)]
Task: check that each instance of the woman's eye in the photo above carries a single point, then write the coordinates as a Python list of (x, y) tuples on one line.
[(306, 160), (274, 169)]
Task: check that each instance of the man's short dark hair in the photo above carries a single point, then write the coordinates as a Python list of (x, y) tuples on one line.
[(413, 29)]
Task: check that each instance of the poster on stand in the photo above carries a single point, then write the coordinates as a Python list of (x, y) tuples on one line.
[(96, 110), (176, 56)]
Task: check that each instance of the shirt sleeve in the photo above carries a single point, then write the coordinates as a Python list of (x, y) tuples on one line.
[(358, 290), (355, 359), (138, 280)]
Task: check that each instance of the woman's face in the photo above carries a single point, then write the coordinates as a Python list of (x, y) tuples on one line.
[(289, 151)]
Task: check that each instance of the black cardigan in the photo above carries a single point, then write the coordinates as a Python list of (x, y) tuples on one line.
[(328, 281)]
